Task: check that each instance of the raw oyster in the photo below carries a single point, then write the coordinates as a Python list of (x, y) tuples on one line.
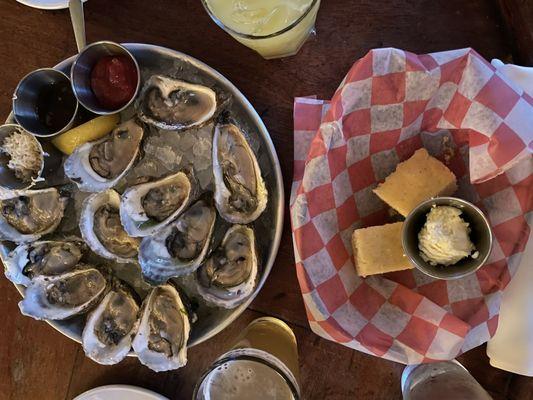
[(161, 340), (148, 207), (110, 327), (181, 247), (99, 165), (43, 258), (229, 275), (172, 104), (101, 228), (30, 214), (240, 192), (63, 296)]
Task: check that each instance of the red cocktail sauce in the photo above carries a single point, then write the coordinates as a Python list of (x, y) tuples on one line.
[(113, 81)]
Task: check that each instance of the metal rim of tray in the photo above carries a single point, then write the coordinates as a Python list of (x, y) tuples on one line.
[(278, 209)]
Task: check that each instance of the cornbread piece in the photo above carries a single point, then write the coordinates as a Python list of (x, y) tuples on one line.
[(417, 179), (378, 249)]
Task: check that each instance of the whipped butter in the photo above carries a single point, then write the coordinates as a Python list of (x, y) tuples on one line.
[(444, 239)]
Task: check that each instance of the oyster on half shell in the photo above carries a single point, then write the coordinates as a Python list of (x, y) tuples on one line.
[(62, 296), (110, 327), (172, 104), (99, 165), (148, 207), (182, 246), (102, 230), (229, 275), (240, 192), (31, 214), (43, 258), (163, 332)]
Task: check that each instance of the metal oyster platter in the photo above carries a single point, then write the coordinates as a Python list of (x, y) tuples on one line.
[(183, 157)]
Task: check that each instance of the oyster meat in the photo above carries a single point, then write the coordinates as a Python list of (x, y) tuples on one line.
[(31, 214), (163, 332), (181, 247), (148, 207), (62, 296), (43, 258), (110, 327), (102, 230), (240, 192), (229, 275), (172, 104), (99, 165)]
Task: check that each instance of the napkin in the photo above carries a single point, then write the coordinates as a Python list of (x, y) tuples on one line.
[(511, 348), (392, 102)]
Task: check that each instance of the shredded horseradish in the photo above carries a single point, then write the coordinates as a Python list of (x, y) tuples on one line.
[(24, 153)]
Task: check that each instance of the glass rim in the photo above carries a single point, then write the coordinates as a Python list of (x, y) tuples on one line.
[(256, 37), (235, 357)]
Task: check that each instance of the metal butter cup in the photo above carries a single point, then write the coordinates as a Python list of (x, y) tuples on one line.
[(480, 235)]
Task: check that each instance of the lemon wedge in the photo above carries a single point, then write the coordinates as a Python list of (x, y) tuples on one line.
[(87, 132)]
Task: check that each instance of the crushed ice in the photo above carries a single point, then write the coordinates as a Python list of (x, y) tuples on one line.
[(170, 151)]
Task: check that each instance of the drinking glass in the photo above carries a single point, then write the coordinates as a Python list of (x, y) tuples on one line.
[(262, 364), (273, 28), (447, 380)]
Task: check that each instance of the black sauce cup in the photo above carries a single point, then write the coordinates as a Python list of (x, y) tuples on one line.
[(480, 235), (26, 99), (80, 75)]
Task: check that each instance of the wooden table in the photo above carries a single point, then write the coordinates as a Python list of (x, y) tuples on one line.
[(36, 362)]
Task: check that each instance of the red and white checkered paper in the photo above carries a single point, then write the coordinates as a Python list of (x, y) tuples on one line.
[(391, 103)]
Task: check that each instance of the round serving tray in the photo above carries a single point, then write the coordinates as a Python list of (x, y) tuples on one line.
[(159, 60)]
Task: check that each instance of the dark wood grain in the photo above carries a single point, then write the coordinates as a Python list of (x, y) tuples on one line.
[(32, 354), (520, 388), (37, 362), (518, 15)]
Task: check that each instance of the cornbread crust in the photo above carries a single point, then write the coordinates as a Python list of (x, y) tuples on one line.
[(419, 178), (378, 249)]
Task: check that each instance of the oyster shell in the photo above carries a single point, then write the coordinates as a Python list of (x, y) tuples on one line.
[(43, 258), (146, 208), (102, 230), (240, 192), (229, 275), (110, 327), (30, 215), (172, 104), (161, 340), (63, 296), (181, 247), (99, 165)]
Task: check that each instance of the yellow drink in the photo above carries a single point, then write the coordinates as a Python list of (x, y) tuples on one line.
[(263, 364), (273, 336), (273, 28)]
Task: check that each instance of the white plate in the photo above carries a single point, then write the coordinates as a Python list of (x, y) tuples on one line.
[(119, 392), (46, 4)]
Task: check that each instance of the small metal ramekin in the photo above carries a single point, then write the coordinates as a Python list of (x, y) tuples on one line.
[(26, 96), (80, 74), (480, 235)]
